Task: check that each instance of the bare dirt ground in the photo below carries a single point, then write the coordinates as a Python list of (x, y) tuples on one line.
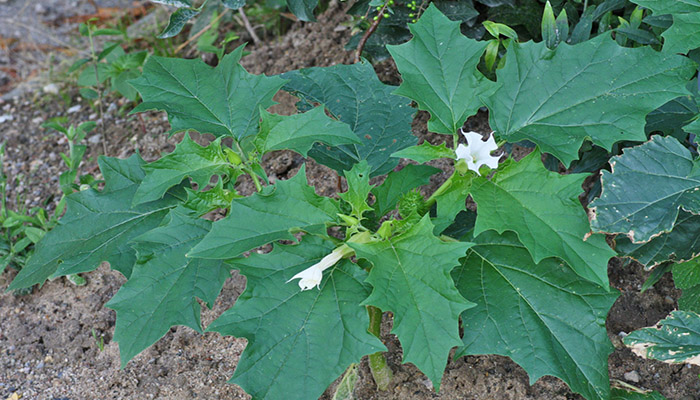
[(47, 348)]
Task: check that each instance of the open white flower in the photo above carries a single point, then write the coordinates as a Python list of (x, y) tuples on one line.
[(477, 152), (312, 276)]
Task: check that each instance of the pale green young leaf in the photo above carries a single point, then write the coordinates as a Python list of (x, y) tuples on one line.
[(300, 131), (298, 341), (547, 96), (675, 339), (542, 207), (223, 101), (353, 94), (164, 286), (425, 152), (201, 202), (541, 315), (438, 69), (97, 226), (398, 183), (626, 204), (684, 33), (358, 189), (289, 206), (188, 160), (411, 278), (681, 244)]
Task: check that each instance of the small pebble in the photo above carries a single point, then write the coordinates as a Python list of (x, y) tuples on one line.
[(632, 376), (51, 88), (5, 118), (74, 109)]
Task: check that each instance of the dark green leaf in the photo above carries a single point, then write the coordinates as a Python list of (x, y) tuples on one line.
[(684, 34), (438, 69), (298, 341), (628, 206), (686, 277), (233, 4), (224, 101), (97, 226), (547, 96), (353, 94), (542, 207), (681, 244), (543, 316), (164, 285), (303, 9)]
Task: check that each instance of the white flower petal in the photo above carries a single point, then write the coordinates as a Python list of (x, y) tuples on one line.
[(463, 153), (309, 277)]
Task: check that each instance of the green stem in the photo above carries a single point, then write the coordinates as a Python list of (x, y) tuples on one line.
[(256, 181), (442, 189), (377, 362)]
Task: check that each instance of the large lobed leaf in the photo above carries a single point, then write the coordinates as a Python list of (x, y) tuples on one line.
[(98, 226), (223, 101), (676, 339), (684, 34), (353, 94), (411, 277), (438, 71), (164, 285), (594, 90), (290, 205), (398, 183), (541, 315), (542, 207), (627, 205), (298, 341)]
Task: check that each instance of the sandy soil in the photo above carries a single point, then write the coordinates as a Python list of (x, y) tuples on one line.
[(47, 348)]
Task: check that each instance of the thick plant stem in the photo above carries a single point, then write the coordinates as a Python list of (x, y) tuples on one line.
[(377, 362), (442, 189)]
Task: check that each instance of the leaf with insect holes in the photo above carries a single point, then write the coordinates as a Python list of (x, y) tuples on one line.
[(353, 94), (98, 226), (626, 204), (223, 101), (541, 315), (164, 286), (684, 34), (681, 244), (300, 131), (438, 71), (298, 341), (398, 183), (411, 278), (543, 208), (289, 206), (675, 339), (595, 89), (188, 160)]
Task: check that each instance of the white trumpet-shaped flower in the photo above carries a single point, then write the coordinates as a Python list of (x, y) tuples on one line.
[(312, 276), (477, 152)]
